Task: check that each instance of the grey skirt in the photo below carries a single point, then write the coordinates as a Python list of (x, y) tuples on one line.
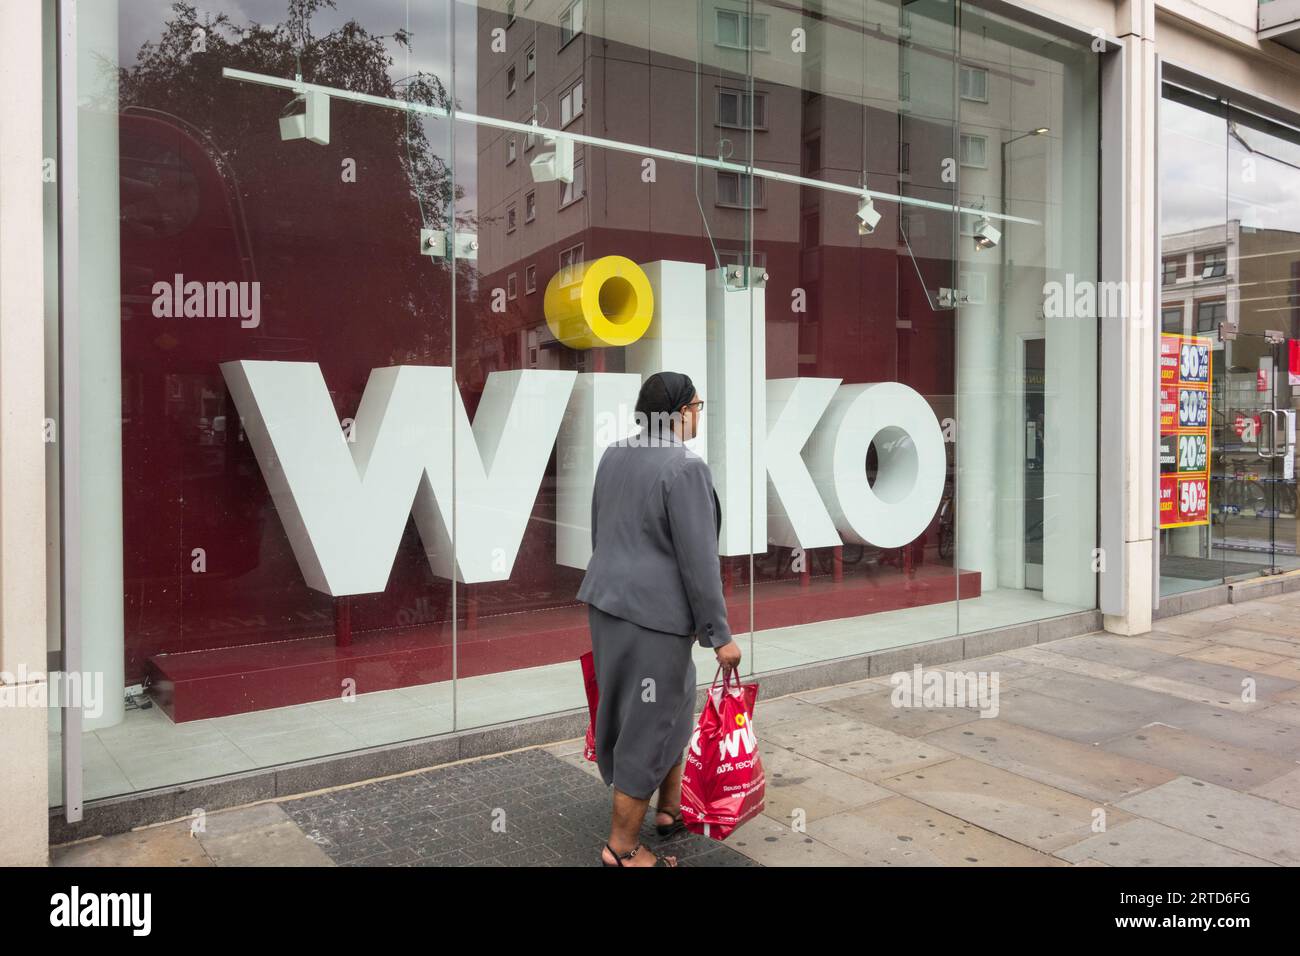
[(642, 728)]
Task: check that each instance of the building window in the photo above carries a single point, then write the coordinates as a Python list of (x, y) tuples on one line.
[(572, 192), (736, 258), (512, 286), (571, 104), (812, 155), (1171, 319), (740, 31), (1210, 314), (530, 206), (510, 81), (742, 110), (570, 261), (1212, 264), (975, 84), (511, 218), (570, 22), (530, 279), (904, 157), (1169, 270), (530, 139), (530, 61), (904, 86), (738, 189), (974, 150), (511, 150)]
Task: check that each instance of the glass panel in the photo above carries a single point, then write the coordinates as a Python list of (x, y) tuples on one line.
[(1196, 294), (1264, 239), (1026, 345), (251, 252), (859, 344), (629, 103)]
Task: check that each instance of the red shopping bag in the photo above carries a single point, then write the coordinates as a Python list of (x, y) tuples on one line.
[(723, 782), (588, 662)]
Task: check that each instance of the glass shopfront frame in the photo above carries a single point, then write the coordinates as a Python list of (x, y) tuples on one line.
[(417, 242)]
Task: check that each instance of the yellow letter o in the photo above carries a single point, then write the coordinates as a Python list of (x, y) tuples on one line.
[(597, 304)]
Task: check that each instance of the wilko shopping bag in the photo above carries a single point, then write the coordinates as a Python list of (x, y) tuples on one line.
[(588, 662), (723, 782)]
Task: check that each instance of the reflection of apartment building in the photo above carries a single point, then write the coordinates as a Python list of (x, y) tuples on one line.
[(823, 111), (1198, 279), (1232, 273)]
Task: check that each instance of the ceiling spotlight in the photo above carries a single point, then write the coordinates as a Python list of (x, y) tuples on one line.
[(307, 116), (868, 218), (986, 236), (556, 164)]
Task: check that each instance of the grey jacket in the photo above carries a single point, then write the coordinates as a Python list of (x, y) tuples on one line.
[(654, 537)]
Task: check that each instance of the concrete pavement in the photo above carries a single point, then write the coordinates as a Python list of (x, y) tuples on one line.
[(1178, 747)]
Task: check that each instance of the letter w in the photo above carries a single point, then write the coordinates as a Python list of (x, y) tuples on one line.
[(344, 505)]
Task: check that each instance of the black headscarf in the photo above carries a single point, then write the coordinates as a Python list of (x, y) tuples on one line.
[(664, 393)]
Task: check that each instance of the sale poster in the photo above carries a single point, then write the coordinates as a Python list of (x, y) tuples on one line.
[(1184, 430)]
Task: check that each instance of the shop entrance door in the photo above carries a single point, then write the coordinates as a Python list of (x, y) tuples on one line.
[(1256, 523)]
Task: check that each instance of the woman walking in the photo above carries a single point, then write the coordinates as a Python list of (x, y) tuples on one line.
[(652, 584)]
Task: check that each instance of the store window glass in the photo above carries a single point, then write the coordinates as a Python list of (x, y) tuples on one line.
[(375, 284), (1228, 405)]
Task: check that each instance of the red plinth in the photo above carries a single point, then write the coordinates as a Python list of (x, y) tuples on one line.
[(235, 680)]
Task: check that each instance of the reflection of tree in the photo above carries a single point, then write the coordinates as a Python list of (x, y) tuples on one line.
[(406, 301)]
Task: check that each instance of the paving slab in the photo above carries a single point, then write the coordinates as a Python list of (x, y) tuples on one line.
[(1110, 649), (902, 832), (824, 695), (1024, 810), (1221, 678), (1166, 643), (1248, 730), (769, 842), (1069, 720), (796, 783), (1284, 789), (853, 746), (1140, 842), (1084, 770), (909, 721), (1273, 636), (1051, 664), (166, 845), (1245, 658), (280, 844), (1194, 756), (1244, 822)]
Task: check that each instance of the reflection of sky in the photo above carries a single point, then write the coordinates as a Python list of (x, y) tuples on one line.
[(1193, 164), (429, 49), (1208, 177), (1265, 190)]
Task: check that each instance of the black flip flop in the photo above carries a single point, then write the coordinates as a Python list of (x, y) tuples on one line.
[(620, 857)]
